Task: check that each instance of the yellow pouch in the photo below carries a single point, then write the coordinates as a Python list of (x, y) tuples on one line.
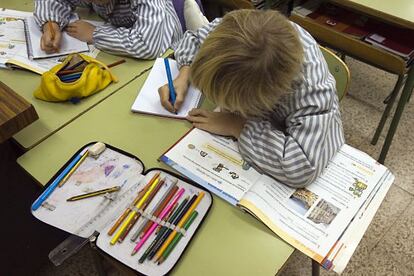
[(95, 77)]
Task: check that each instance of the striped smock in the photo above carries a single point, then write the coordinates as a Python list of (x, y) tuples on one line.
[(138, 28), (295, 142)]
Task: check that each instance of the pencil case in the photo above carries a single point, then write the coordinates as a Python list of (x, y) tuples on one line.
[(93, 77), (96, 217)]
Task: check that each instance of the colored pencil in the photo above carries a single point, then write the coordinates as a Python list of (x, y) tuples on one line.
[(167, 217), (155, 224), (180, 225), (71, 71), (144, 207), (95, 193), (133, 212), (177, 238), (127, 210), (176, 213), (157, 212), (165, 231), (170, 81), (49, 190), (73, 169), (161, 204)]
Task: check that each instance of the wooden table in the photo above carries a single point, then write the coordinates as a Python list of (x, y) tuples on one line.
[(230, 242), (54, 116), (15, 113)]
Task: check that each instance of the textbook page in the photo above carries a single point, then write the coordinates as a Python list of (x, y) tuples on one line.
[(148, 99), (312, 219), (68, 44), (214, 162)]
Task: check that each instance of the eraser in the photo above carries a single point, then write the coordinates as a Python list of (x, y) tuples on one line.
[(96, 149)]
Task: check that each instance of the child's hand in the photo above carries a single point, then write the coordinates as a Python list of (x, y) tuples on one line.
[(50, 41), (180, 85), (221, 123), (81, 30)]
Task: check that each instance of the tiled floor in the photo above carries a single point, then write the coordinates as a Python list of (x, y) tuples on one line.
[(388, 246)]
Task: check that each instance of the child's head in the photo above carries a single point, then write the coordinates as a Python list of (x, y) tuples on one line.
[(248, 61)]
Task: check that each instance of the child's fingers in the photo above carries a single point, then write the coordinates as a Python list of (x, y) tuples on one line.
[(197, 119), (164, 93), (56, 41), (199, 112)]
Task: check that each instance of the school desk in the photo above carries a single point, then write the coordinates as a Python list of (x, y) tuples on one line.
[(399, 12), (53, 116), (230, 242)]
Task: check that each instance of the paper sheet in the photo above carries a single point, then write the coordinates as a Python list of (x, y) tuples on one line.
[(148, 99)]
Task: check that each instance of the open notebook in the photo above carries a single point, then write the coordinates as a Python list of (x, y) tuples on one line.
[(13, 46), (148, 99), (68, 44)]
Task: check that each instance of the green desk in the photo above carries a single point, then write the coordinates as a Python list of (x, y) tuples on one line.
[(54, 116), (230, 242)]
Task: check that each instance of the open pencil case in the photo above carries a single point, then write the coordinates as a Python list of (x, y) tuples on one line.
[(98, 214)]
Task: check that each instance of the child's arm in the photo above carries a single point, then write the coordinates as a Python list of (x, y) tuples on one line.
[(58, 11), (152, 33), (191, 42), (313, 133)]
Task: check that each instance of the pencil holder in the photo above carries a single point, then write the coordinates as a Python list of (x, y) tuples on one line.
[(89, 77)]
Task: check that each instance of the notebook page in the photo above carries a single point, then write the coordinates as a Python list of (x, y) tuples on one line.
[(68, 44), (148, 100)]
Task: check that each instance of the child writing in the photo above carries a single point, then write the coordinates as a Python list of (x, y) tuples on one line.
[(273, 86), (138, 28)]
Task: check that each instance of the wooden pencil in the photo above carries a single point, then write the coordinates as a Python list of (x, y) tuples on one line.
[(127, 210), (180, 225), (144, 207)]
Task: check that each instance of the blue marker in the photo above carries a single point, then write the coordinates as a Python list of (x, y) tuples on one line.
[(170, 81), (39, 201)]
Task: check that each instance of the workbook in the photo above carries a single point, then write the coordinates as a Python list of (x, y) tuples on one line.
[(111, 199), (325, 220), (148, 99), (13, 46)]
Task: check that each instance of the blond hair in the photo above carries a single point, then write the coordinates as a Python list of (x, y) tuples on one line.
[(248, 61)]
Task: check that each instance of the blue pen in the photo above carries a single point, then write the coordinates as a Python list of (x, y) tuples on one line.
[(170, 81), (69, 78), (39, 201)]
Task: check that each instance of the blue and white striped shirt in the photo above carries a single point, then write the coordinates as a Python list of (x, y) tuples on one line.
[(138, 28), (295, 142)]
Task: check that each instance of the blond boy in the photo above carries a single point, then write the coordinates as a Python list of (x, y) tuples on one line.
[(271, 79)]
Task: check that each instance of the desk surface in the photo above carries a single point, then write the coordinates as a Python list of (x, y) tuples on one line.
[(400, 12), (230, 242), (53, 116)]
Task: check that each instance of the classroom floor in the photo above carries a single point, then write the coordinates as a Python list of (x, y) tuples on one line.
[(388, 246)]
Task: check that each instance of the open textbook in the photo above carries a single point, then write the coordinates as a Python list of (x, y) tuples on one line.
[(325, 220), (13, 44), (148, 99)]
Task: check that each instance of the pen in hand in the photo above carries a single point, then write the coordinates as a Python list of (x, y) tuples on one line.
[(170, 82)]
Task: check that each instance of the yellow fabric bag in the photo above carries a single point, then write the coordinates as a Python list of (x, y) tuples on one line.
[(95, 77)]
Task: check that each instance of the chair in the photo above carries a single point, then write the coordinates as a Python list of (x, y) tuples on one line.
[(339, 71)]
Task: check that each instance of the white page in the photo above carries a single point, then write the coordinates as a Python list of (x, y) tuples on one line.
[(68, 44), (214, 162), (148, 100), (313, 219)]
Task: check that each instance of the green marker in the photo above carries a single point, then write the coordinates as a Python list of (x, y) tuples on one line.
[(177, 238)]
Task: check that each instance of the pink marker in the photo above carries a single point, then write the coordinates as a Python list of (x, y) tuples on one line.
[(154, 224)]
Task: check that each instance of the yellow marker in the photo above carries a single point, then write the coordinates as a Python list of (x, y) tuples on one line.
[(73, 169), (95, 193), (132, 214), (180, 225)]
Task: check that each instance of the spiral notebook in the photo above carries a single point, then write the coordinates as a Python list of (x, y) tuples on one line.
[(68, 45), (148, 99)]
